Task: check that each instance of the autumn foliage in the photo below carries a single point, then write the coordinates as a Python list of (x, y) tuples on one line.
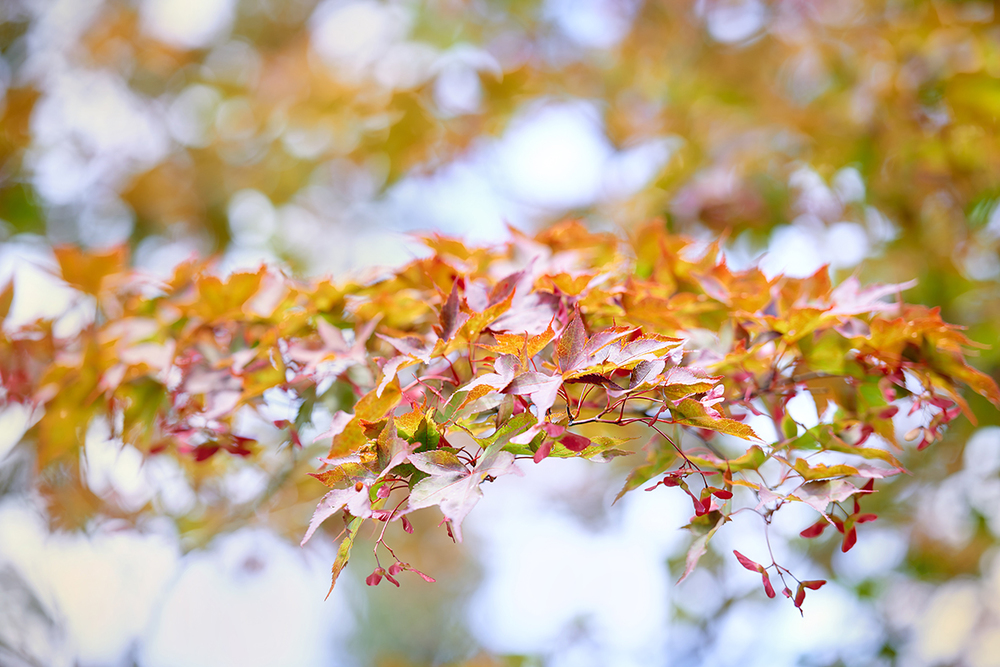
[(471, 363)]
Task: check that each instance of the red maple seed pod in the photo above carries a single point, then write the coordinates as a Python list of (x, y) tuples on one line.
[(407, 526), (425, 577), (850, 539), (747, 563), (543, 451), (574, 442), (889, 412), (800, 597), (375, 577), (767, 584), (815, 530)]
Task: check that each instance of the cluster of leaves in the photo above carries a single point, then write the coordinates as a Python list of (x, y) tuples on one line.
[(906, 92), (447, 372)]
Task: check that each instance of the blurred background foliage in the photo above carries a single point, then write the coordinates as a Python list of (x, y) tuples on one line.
[(862, 135)]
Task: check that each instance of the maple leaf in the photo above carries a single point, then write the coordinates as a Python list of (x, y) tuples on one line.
[(356, 499), (694, 413), (819, 494), (849, 299), (706, 527), (506, 367), (452, 486), (332, 355), (451, 318)]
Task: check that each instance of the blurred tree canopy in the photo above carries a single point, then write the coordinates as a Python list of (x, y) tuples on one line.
[(865, 128)]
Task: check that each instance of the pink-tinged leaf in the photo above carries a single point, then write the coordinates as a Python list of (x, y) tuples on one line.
[(451, 318), (849, 299), (765, 495), (530, 382), (753, 566), (392, 450), (605, 337), (531, 314), (574, 442), (506, 366), (815, 530), (390, 370), (340, 421), (357, 501), (643, 349), (569, 348), (540, 388), (686, 375), (873, 473), (438, 462), (852, 327), (543, 451), (698, 549), (820, 494), (456, 493), (411, 346), (768, 589), (714, 396), (646, 373)]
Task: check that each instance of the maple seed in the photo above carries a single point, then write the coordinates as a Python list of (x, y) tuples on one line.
[(814, 530), (850, 539), (375, 577)]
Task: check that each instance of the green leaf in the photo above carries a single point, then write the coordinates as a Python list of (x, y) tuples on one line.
[(601, 448), (427, 435), (344, 551), (751, 460), (660, 457), (822, 471), (501, 437), (570, 344), (692, 413), (713, 521)]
